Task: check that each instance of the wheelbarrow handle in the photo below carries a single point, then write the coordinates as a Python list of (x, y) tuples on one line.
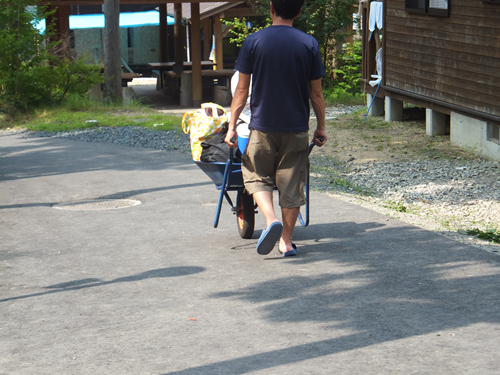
[(305, 221), (224, 186), (320, 138)]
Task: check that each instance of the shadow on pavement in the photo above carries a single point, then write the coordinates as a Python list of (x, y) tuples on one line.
[(119, 195), (92, 282), (386, 284), (50, 157)]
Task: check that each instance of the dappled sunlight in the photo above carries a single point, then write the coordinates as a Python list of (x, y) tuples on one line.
[(467, 270)]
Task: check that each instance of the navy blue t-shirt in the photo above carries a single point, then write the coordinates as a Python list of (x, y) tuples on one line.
[(282, 60)]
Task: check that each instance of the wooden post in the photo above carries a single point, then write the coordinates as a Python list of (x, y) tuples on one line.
[(218, 42), (376, 36), (207, 42), (196, 53), (112, 57), (60, 20), (163, 33), (178, 41), (369, 48)]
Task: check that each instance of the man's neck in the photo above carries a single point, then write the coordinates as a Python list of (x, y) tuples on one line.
[(278, 21)]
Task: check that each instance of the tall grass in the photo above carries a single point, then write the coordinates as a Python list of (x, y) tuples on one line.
[(336, 96), (81, 113)]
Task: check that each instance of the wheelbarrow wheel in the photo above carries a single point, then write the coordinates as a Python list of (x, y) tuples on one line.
[(245, 216)]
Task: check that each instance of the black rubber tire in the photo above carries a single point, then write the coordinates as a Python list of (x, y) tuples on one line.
[(245, 216)]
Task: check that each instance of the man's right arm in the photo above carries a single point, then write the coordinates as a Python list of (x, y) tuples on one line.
[(237, 105), (318, 103)]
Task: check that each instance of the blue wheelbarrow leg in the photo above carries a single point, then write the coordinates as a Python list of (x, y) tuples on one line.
[(223, 188), (305, 222)]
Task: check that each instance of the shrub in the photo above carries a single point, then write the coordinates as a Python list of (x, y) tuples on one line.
[(239, 29), (346, 88), (349, 72), (30, 76)]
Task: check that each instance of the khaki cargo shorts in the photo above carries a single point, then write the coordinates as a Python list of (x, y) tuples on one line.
[(277, 157)]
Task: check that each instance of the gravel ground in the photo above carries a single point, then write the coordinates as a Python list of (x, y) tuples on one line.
[(133, 136), (438, 195)]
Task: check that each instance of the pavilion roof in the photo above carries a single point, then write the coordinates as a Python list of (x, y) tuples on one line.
[(97, 2), (207, 9)]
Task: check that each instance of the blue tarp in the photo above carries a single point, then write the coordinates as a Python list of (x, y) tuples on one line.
[(132, 19)]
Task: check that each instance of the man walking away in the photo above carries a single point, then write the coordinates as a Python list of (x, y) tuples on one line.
[(287, 69)]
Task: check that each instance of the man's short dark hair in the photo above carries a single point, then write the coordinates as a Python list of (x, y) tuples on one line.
[(287, 9)]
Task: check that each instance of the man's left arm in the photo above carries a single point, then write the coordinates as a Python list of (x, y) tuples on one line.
[(318, 103), (237, 105)]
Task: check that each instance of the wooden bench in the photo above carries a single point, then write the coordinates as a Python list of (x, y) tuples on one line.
[(179, 86), (128, 77), (214, 85)]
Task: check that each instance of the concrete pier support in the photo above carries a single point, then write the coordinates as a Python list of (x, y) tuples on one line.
[(128, 94), (186, 95), (377, 108), (435, 123), (393, 110), (472, 134)]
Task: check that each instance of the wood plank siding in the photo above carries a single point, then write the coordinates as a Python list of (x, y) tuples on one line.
[(453, 60)]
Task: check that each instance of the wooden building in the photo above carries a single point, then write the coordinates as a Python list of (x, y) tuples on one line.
[(61, 20), (443, 55)]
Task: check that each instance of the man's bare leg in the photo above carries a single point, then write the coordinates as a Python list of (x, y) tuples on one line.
[(264, 200), (289, 216)]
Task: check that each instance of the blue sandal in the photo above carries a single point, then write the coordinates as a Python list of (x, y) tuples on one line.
[(292, 252), (268, 238)]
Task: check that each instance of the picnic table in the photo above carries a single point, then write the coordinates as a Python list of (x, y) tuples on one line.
[(160, 68), (216, 86), (166, 66)]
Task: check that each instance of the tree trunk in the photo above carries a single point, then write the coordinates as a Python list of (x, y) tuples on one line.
[(196, 54), (178, 43), (112, 56)]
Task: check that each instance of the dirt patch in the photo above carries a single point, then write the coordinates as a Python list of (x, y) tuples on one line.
[(357, 141)]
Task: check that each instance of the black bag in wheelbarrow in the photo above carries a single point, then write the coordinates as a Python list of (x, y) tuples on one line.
[(216, 150)]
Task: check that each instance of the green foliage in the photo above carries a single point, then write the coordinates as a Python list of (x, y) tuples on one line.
[(349, 73), (337, 95), (240, 30), (92, 115), (396, 206), (347, 88), (491, 235), (30, 76), (326, 20)]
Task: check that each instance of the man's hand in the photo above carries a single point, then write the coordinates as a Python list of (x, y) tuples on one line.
[(319, 134), (231, 138)]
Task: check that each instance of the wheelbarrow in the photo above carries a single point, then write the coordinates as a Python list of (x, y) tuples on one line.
[(228, 177)]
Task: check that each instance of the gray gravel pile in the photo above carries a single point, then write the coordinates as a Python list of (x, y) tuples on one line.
[(469, 189), (440, 195), (437, 181), (133, 136)]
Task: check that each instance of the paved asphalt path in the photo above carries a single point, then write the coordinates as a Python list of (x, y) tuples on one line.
[(155, 289)]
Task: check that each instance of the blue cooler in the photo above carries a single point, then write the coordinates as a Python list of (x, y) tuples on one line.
[(243, 134)]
